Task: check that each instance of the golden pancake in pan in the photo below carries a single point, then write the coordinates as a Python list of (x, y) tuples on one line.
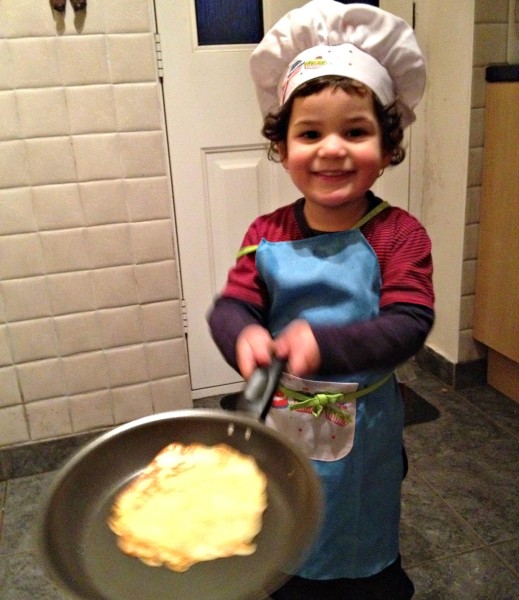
[(192, 503)]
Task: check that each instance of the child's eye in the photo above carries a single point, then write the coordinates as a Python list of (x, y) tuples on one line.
[(310, 135), (356, 132)]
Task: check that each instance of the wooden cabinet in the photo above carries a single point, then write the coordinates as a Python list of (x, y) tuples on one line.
[(496, 317)]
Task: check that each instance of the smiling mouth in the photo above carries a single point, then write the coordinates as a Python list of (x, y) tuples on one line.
[(334, 174)]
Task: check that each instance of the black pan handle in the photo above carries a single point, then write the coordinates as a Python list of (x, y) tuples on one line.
[(260, 388)]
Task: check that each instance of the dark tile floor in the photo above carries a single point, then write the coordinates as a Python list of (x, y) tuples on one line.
[(460, 525)]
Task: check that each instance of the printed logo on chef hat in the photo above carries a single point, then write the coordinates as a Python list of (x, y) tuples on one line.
[(346, 60)]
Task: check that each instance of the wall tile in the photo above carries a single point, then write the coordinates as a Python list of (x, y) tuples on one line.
[(477, 127), (40, 22), (126, 365), (6, 357), (50, 160), (91, 411), (157, 281), (132, 57), (162, 320), (115, 287), (13, 426), (126, 16), (65, 250), (9, 388), (21, 256), (14, 171), (478, 87), (33, 340), (41, 379), (491, 11), (34, 63), (148, 198), (167, 358), (473, 203), (109, 245), (132, 402), (48, 418), (42, 112), (129, 100), (85, 372), (78, 333), (469, 349), (468, 281), (98, 156), (142, 154), (467, 312), (490, 43), (91, 109), (16, 211), (475, 172), (83, 156), (26, 298), (83, 23), (58, 206), (121, 326), (6, 71), (9, 121), (171, 393), (83, 60), (470, 243), (103, 202), (71, 292), (152, 241)]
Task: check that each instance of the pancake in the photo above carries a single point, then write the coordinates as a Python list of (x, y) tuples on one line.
[(192, 503)]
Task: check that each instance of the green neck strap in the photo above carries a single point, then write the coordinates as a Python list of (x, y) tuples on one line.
[(368, 216)]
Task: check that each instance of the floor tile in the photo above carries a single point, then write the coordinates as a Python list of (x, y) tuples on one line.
[(22, 507), (477, 575), (430, 529), (22, 578), (508, 552)]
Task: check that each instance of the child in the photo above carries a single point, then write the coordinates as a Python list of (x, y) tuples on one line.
[(338, 283)]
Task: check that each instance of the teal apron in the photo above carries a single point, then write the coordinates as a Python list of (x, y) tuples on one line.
[(350, 427)]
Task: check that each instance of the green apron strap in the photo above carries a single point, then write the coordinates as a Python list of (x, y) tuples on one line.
[(246, 250), (372, 213), (326, 400)]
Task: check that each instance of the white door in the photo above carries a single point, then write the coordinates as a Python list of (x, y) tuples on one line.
[(221, 177)]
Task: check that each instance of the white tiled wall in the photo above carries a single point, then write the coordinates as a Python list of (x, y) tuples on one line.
[(90, 316), (490, 46)]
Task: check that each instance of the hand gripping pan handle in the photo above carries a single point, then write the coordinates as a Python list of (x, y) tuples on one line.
[(260, 388)]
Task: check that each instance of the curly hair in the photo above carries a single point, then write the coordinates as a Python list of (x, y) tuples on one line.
[(275, 127)]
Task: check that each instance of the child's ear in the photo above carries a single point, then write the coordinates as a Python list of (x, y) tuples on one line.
[(282, 153), (386, 159)]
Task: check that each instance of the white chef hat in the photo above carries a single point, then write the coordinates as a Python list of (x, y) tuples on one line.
[(325, 37)]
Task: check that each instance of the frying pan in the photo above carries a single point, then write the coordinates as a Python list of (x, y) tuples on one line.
[(79, 551)]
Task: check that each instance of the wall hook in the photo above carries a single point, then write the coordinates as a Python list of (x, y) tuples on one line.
[(78, 5), (58, 5)]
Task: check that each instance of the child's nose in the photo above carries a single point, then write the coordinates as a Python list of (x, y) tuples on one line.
[(332, 146)]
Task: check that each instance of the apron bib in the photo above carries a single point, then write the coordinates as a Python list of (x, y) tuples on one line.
[(335, 279)]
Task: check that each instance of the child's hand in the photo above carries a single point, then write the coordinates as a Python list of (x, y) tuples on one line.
[(297, 344), (254, 347)]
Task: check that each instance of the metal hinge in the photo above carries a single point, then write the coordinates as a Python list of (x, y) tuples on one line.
[(184, 316), (158, 55)]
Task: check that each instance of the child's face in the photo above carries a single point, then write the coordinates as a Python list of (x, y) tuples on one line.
[(333, 150)]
